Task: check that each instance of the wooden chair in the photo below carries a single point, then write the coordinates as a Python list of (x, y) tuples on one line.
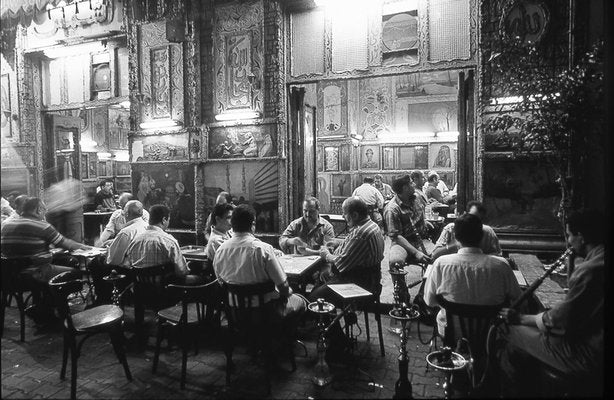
[(103, 289), (100, 319), (469, 324), (149, 293), (188, 316), (248, 314), (373, 305), (15, 285)]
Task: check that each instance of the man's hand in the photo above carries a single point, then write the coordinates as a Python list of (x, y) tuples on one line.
[(297, 241), (511, 316), (324, 253), (423, 258), (429, 225)]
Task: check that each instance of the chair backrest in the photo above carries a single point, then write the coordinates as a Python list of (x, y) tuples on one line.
[(468, 321), (201, 295), (245, 304), (11, 277), (149, 285), (61, 287)]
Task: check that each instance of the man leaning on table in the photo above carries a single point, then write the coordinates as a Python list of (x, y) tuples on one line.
[(29, 236), (307, 234), (117, 221)]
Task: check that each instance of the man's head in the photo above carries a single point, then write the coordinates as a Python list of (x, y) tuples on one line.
[(243, 218), (34, 207), (377, 180), (417, 178), (468, 230), (222, 214), (159, 215), (19, 202), (311, 210), (402, 185), (354, 210), (585, 228), (433, 177), (369, 153), (368, 179), (133, 209), (125, 198), (476, 208), (106, 185), (223, 198)]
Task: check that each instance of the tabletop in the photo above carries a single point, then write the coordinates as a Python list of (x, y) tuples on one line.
[(194, 253), (297, 265), (97, 213)]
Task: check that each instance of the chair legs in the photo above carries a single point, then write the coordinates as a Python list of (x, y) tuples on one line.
[(378, 319), (6, 301), (159, 338), (117, 339), (66, 348)]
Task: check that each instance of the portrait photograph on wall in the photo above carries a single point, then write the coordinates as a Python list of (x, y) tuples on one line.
[(441, 156), (254, 141), (341, 185), (369, 157), (251, 182), (170, 184)]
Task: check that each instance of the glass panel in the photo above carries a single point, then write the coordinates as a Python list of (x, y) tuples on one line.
[(449, 30), (307, 42)]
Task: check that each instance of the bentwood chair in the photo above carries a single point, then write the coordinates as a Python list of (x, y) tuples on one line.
[(101, 319), (470, 324), (188, 316), (16, 285)]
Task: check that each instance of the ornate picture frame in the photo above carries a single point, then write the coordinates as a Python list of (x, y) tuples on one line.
[(332, 111)]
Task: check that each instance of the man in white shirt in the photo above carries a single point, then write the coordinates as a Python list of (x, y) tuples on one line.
[(373, 199), (135, 225), (470, 276), (117, 221)]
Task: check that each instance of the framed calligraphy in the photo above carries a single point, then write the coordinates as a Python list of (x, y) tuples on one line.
[(160, 82), (526, 21), (239, 70)]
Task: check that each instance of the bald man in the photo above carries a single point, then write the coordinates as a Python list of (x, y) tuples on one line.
[(117, 221), (135, 224)]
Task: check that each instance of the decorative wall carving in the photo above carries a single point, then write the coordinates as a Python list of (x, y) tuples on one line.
[(161, 148), (243, 142), (332, 108), (160, 82), (239, 57)]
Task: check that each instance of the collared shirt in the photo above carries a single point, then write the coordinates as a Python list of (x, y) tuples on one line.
[(29, 237), (155, 247), (470, 277), (117, 222), (106, 200), (243, 259), (215, 241), (117, 251), (489, 243), (405, 219), (362, 249), (579, 317), (315, 237), (421, 196), (433, 192), (386, 191), (370, 195)]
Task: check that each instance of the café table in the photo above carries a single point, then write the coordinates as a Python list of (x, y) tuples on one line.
[(299, 268), (194, 253)]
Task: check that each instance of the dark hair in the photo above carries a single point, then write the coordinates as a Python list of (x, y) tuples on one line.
[(367, 179), (399, 182), (19, 203), (357, 205), (30, 205), (378, 176), (314, 200), (589, 222), (157, 213), (478, 205), (243, 217), (221, 209), (415, 174), (104, 181), (468, 230)]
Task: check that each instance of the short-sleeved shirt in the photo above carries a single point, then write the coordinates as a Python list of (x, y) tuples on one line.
[(315, 237), (28, 237), (155, 247), (386, 191), (371, 196), (118, 221), (215, 241), (117, 251), (243, 260), (489, 243), (405, 219)]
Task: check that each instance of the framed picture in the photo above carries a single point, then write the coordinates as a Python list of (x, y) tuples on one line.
[(84, 166), (400, 32), (320, 158), (161, 148), (92, 166), (387, 157), (5, 105), (344, 157), (412, 157), (441, 156), (252, 141), (101, 77), (332, 108), (331, 158), (369, 157), (122, 168), (102, 168), (341, 185)]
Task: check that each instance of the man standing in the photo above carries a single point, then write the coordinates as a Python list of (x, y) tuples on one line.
[(135, 225), (469, 277), (244, 260), (446, 244), (306, 235), (405, 222), (384, 188), (104, 199), (155, 246), (569, 336), (220, 230), (372, 198), (29, 236), (118, 221)]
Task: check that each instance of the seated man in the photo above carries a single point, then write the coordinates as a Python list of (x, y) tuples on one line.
[(104, 199), (569, 336), (29, 235), (437, 191), (135, 225), (117, 221), (357, 260), (306, 235), (155, 246), (372, 198), (244, 260), (406, 225), (470, 276), (384, 188), (446, 244)]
